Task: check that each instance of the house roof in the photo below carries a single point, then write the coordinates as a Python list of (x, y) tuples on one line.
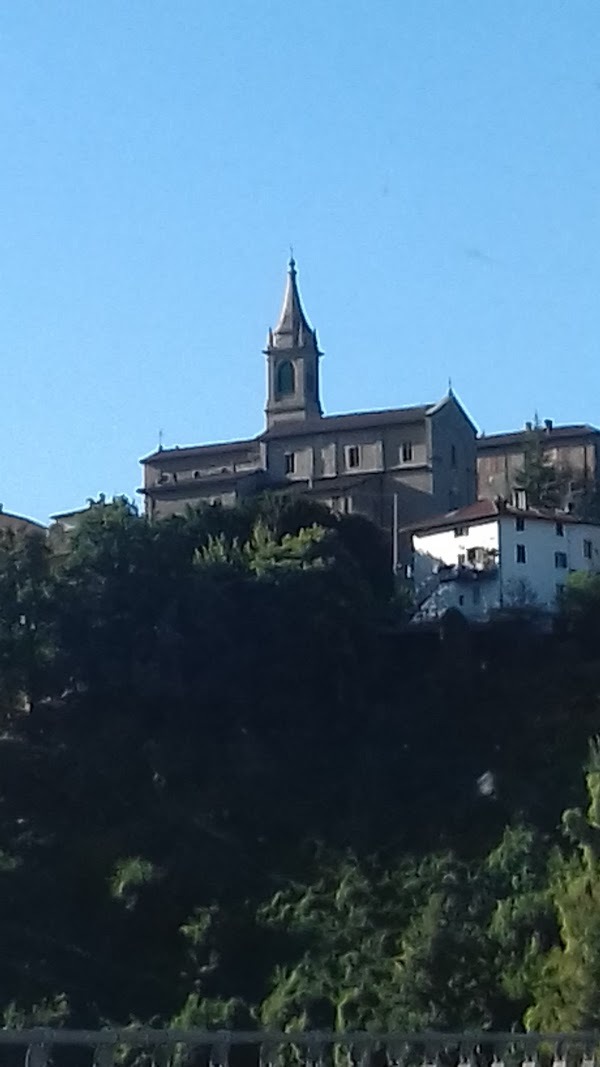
[(18, 523), (516, 438), (484, 510)]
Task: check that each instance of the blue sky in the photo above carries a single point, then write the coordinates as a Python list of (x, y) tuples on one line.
[(435, 163)]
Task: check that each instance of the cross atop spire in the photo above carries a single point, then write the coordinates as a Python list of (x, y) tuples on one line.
[(293, 329)]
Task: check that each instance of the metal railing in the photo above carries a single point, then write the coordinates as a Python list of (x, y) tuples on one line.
[(225, 1048)]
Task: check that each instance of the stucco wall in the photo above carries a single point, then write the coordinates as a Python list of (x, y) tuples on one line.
[(164, 507), (395, 437), (497, 469), (453, 457), (446, 546), (196, 465), (380, 448), (541, 542)]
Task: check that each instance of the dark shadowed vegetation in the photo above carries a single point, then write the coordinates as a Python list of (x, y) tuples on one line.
[(234, 789)]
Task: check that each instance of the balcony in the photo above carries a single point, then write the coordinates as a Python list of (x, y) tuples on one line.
[(467, 572)]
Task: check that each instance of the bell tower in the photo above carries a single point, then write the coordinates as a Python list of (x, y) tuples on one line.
[(292, 361)]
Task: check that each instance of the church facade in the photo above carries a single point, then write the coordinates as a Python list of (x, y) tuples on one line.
[(395, 466)]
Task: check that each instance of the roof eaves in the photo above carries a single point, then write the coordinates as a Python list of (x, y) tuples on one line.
[(470, 514), (516, 437), (22, 518), (451, 398), (349, 420), (192, 450)]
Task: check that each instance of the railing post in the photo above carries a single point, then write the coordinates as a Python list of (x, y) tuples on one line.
[(161, 1054), (39, 1050), (219, 1052), (266, 1054), (104, 1055)]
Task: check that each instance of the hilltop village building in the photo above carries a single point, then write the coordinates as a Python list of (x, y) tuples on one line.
[(491, 556), (573, 450), (392, 466), (18, 524)]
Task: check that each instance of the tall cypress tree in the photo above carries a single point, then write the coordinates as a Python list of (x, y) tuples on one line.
[(542, 482)]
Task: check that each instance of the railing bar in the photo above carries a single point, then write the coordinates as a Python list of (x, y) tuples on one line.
[(148, 1036)]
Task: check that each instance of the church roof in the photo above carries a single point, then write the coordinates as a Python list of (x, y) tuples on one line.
[(362, 420), (245, 445)]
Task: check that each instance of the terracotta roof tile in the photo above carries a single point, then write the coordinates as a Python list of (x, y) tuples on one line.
[(482, 510)]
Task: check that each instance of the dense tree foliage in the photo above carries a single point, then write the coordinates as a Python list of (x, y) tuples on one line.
[(545, 485), (236, 789)]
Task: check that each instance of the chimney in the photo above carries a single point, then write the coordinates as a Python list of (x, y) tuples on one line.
[(548, 424), (529, 426)]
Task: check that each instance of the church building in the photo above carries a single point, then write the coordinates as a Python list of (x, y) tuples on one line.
[(395, 466)]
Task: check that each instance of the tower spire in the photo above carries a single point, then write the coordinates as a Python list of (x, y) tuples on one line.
[(293, 327)]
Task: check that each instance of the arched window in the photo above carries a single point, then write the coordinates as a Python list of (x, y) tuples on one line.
[(286, 378)]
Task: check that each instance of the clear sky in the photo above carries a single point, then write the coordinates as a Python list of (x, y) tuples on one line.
[(435, 163)]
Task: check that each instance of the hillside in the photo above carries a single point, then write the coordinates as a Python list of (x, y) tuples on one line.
[(235, 790)]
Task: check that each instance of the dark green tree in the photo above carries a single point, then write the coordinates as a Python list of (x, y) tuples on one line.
[(544, 484)]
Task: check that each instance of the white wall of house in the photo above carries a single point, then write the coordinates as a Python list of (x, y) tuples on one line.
[(451, 548), (550, 556), (447, 546), (534, 556)]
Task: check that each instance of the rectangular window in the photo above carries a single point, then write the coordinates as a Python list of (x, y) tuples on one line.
[(560, 560), (328, 466), (460, 531), (521, 554), (453, 455), (343, 505), (560, 530), (471, 555), (461, 559), (407, 451), (587, 549), (290, 462), (520, 499), (560, 590), (353, 456), (519, 524)]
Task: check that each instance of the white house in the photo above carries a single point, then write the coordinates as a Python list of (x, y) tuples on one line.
[(489, 556)]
